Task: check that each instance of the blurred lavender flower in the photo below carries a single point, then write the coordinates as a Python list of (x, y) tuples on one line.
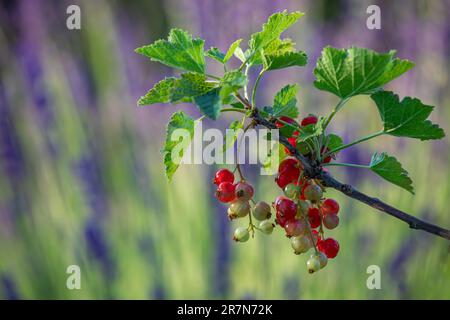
[(89, 172), (98, 247), (11, 157), (9, 288)]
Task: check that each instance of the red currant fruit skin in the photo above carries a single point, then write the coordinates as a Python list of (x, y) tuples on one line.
[(244, 191), (286, 207), (226, 192), (314, 217), (288, 175), (330, 247), (283, 180), (309, 120), (223, 175), (330, 206), (281, 219), (294, 228), (288, 163), (279, 124)]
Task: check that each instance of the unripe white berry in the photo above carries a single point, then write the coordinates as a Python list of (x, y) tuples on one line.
[(313, 264), (241, 234), (261, 211), (240, 208), (266, 226), (300, 244)]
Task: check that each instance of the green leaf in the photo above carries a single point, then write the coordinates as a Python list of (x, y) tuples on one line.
[(231, 82), (160, 93), (209, 103), (391, 170), (334, 141), (215, 54), (232, 134), (238, 53), (285, 102), (285, 60), (277, 47), (272, 29), (353, 71), (190, 85), (179, 51), (406, 118), (231, 50), (178, 120)]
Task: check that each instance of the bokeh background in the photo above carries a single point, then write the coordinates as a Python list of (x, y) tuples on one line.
[(82, 180)]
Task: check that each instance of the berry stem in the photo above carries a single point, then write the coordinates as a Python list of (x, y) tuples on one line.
[(255, 87), (340, 164), (233, 110), (245, 87), (334, 111), (345, 146)]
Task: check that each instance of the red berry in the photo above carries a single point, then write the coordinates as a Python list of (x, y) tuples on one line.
[(311, 119), (283, 180), (330, 247), (226, 192), (330, 221), (288, 163), (279, 124), (223, 175), (294, 228), (286, 207), (288, 175), (314, 217), (244, 191), (330, 206), (281, 220)]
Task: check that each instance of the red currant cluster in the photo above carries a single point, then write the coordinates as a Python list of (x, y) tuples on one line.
[(302, 211)]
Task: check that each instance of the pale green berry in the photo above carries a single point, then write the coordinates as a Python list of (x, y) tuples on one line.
[(313, 193), (266, 226), (322, 259), (300, 244), (313, 264), (261, 211), (231, 214), (241, 234), (240, 208), (291, 191)]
